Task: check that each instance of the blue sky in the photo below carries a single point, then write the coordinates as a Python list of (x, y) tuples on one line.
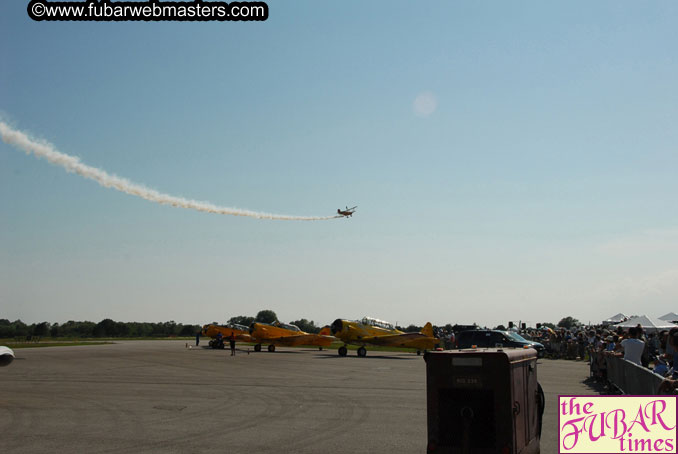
[(542, 185)]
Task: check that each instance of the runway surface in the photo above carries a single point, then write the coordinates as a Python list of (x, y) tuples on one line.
[(161, 397)]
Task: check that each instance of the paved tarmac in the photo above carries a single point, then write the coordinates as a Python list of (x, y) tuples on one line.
[(161, 397)]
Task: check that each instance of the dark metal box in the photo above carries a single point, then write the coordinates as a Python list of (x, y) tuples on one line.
[(483, 401)]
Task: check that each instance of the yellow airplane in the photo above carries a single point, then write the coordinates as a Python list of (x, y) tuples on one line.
[(370, 331), (286, 335), (240, 332)]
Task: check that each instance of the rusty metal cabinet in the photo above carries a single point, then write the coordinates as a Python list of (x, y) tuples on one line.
[(483, 401)]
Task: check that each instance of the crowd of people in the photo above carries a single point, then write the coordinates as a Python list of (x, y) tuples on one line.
[(657, 351), (635, 344)]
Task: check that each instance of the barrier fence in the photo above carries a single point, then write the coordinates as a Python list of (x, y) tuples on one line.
[(625, 376)]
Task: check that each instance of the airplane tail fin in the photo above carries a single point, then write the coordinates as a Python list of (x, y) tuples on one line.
[(325, 331), (427, 330)]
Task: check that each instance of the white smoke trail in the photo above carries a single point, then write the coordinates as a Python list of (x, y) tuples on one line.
[(72, 164)]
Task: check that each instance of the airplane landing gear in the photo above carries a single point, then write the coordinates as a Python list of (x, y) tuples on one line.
[(257, 348), (271, 348), (216, 343), (362, 351), (343, 350)]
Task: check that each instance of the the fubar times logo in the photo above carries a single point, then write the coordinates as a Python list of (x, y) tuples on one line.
[(617, 424)]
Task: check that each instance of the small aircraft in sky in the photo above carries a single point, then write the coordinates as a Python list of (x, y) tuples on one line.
[(347, 213), (240, 332), (286, 335), (370, 331), (6, 356)]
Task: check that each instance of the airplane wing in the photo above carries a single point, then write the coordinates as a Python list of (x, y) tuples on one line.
[(303, 339), (393, 339), (243, 338), (408, 340)]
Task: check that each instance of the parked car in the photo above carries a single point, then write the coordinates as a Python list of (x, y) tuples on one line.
[(495, 338)]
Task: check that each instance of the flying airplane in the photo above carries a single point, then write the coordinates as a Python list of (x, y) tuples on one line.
[(285, 335), (348, 212), (370, 331), (6, 356), (240, 332)]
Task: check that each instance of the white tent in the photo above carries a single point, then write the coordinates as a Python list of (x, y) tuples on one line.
[(648, 323), (670, 317), (615, 319)]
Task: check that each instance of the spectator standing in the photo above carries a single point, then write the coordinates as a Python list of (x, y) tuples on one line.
[(449, 340), (581, 345), (673, 343), (610, 344), (633, 347), (663, 339), (653, 344), (231, 341)]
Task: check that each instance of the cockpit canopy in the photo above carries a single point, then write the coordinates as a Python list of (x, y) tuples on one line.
[(227, 325), (288, 326), (377, 323), (236, 326)]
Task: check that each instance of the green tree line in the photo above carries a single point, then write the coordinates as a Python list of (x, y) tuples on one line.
[(105, 328)]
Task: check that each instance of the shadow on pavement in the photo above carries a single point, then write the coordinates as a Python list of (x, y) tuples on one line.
[(595, 385), (354, 356)]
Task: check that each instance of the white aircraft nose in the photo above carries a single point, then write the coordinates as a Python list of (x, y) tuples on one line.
[(6, 356)]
